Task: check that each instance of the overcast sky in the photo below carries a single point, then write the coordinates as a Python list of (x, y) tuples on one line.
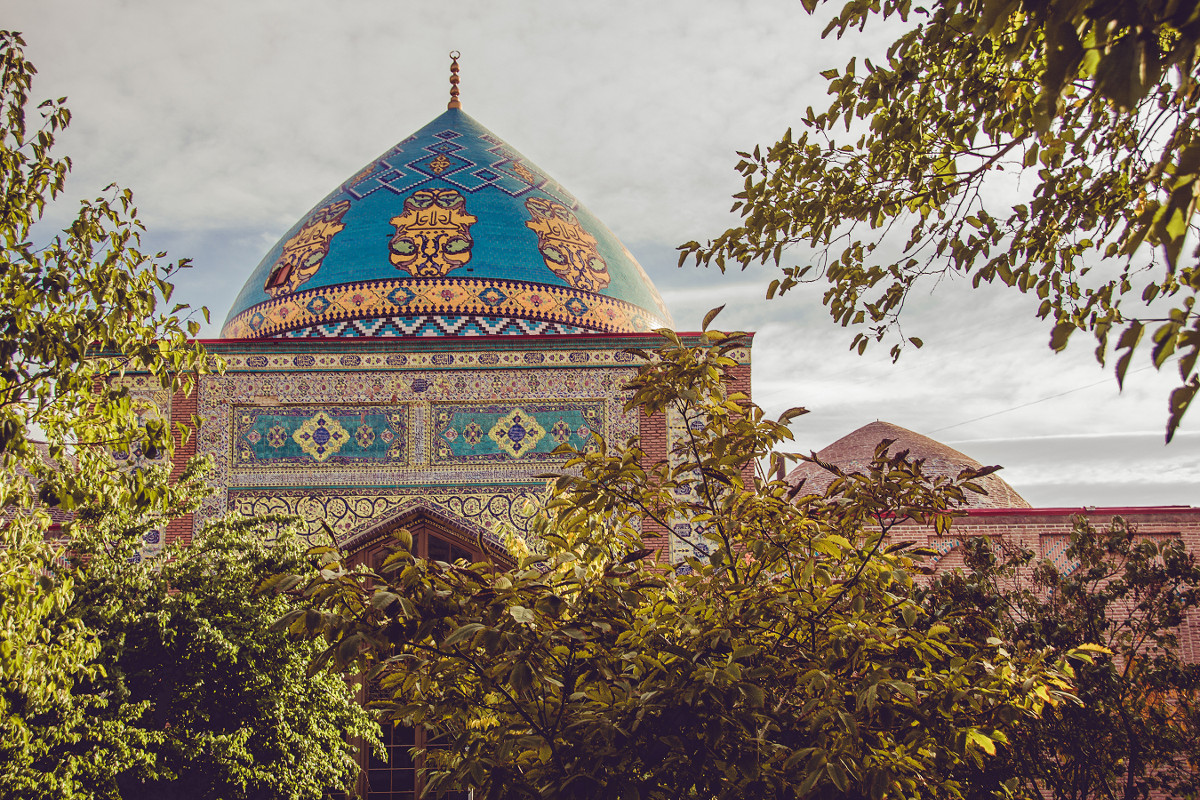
[(231, 119)]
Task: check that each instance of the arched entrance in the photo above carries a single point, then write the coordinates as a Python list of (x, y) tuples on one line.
[(439, 537)]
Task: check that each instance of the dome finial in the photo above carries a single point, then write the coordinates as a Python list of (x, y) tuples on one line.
[(454, 103)]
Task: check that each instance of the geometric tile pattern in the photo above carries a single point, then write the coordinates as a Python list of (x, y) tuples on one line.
[(1054, 549), (687, 538), (432, 325), (527, 430), (405, 300), (150, 404), (282, 437), (444, 159), (941, 547), (273, 391)]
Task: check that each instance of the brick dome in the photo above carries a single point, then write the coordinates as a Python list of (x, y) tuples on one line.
[(853, 453)]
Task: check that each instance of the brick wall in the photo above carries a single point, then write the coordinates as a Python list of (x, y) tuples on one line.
[(1045, 531), (183, 407), (653, 436)]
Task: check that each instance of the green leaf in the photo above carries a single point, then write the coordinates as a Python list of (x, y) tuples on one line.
[(522, 615), (463, 633), (837, 774), (982, 741)]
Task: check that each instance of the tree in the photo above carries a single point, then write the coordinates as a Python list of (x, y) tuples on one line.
[(1093, 107), (66, 301), (1137, 731), (118, 675), (788, 660), (208, 699)]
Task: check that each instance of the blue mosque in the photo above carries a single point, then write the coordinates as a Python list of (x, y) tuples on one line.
[(415, 348)]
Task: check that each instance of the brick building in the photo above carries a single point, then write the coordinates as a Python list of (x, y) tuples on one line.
[(1002, 513)]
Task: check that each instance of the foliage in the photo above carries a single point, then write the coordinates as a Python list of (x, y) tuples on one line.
[(75, 308), (42, 653), (1051, 146), (788, 660), (227, 709), (118, 677), (190, 693), (1138, 730), (65, 300)]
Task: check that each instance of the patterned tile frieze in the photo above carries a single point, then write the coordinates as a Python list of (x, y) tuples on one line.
[(518, 430), (431, 325), (442, 360), (486, 508), (514, 354), (277, 438), (435, 295)]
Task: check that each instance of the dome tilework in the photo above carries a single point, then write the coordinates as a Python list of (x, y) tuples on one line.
[(449, 233), (854, 452)]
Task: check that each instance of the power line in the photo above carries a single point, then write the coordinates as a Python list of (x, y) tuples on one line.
[(1030, 403)]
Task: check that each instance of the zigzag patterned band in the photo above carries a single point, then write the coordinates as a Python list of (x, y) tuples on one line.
[(449, 296)]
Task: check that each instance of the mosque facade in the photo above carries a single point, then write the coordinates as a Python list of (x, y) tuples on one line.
[(418, 345)]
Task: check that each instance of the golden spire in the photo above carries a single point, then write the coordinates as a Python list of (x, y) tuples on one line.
[(454, 56)]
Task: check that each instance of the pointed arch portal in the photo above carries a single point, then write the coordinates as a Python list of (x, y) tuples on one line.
[(438, 536)]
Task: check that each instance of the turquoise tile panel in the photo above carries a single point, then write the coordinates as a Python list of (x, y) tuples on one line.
[(273, 438), (527, 430)]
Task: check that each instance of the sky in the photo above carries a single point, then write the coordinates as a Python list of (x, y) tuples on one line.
[(229, 120)]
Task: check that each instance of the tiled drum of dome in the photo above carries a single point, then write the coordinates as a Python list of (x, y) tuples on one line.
[(449, 233)]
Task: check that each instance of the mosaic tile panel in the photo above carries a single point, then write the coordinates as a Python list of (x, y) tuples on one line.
[(687, 538), (151, 403), (419, 381), (409, 360), (286, 437), (528, 430)]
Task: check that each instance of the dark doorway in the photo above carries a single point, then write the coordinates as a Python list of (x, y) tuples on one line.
[(398, 776)]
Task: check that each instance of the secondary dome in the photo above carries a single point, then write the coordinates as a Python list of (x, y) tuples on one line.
[(854, 452), (449, 233)]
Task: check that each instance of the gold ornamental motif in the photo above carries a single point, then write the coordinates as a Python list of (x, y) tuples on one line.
[(303, 253), (433, 235), (321, 437), (517, 433), (569, 251)]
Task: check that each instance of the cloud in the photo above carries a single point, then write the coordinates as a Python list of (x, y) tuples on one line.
[(231, 119)]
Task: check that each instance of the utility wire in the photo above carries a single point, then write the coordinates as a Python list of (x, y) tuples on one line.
[(1033, 402)]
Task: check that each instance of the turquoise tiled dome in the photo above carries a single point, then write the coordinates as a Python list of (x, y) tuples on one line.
[(449, 233)]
